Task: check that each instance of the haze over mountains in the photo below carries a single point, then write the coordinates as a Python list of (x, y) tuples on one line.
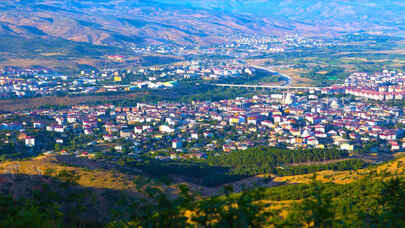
[(191, 22)]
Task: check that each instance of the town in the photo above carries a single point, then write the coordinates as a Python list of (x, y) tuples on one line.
[(20, 82), (333, 117), (223, 63), (240, 46)]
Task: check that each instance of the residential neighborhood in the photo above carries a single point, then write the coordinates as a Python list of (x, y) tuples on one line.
[(332, 117)]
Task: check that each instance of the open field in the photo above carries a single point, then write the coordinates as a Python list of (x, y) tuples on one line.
[(11, 105), (295, 74)]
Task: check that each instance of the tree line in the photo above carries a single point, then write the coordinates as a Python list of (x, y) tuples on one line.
[(263, 159)]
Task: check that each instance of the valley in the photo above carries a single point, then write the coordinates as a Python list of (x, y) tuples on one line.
[(202, 113)]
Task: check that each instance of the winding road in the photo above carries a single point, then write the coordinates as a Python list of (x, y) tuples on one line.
[(269, 69)]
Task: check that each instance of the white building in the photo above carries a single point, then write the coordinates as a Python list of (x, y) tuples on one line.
[(30, 141)]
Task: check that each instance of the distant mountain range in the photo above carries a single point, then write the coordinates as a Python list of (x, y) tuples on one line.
[(191, 22)]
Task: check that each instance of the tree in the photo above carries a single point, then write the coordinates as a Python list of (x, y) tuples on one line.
[(58, 147), (68, 177), (392, 199), (314, 211)]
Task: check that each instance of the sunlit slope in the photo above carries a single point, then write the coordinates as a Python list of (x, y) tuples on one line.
[(94, 176), (392, 168)]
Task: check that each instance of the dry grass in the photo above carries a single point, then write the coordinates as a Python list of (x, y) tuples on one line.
[(94, 177), (98, 178), (396, 167), (296, 78)]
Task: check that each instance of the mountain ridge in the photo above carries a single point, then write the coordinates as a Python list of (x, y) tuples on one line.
[(192, 22)]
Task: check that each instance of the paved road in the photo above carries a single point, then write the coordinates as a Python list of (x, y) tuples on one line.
[(269, 69)]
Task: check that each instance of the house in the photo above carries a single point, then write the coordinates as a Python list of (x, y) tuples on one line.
[(118, 148), (59, 129), (320, 128), (394, 145), (320, 134), (194, 135), (29, 141), (37, 125), (177, 144), (71, 119), (50, 128), (166, 129), (389, 135), (138, 130), (208, 134), (252, 119), (125, 133), (88, 131), (295, 132), (267, 123), (277, 118), (108, 138), (60, 120), (174, 156), (312, 141), (347, 146), (236, 120), (228, 148)]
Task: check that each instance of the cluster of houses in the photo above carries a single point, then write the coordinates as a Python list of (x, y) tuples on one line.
[(29, 83), (197, 70), (276, 44), (237, 45), (172, 130), (384, 86)]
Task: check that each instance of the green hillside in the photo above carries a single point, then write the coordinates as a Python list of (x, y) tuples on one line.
[(75, 193)]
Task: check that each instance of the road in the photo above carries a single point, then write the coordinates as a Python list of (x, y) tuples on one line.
[(269, 69)]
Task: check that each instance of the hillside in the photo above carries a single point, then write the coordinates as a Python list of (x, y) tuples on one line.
[(81, 187), (68, 36), (393, 168), (87, 193), (119, 23), (371, 197)]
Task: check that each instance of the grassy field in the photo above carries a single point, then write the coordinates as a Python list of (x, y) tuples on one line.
[(396, 167), (295, 75), (10, 105)]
